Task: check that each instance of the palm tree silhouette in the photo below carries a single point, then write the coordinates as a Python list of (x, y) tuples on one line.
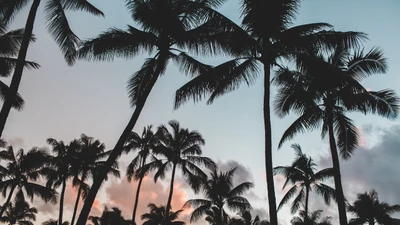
[(247, 219), (59, 28), (215, 216), (62, 168), (54, 222), (321, 91), (301, 174), (219, 192), (19, 212), (89, 162), (158, 216), (145, 144), (183, 27), (265, 39), (10, 44), (182, 150), (22, 170), (314, 218), (110, 217), (369, 210)]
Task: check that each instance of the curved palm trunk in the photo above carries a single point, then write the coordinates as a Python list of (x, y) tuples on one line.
[(76, 204), (268, 147), (17, 76), (118, 148), (4, 207), (336, 170), (60, 213), (137, 195), (171, 191)]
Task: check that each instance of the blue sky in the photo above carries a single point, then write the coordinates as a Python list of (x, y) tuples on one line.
[(62, 102)]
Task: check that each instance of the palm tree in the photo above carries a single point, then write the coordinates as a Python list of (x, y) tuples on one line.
[(144, 144), (265, 39), (179, 29), (247, 219), (323, 89), (157, 216), (89, 163), (59, 28), (301, 174), (181, 149), (62, 168), (215, 216), (219, 192), (112, 217), (10, 44), (369, 210), (22, 170), (19, 212), (54, 222), (314, 218)]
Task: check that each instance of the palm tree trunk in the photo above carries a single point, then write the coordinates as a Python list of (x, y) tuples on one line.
[(306, 203), (118, 147), (171, 191), (336, 171), (17, 76), (60, 213), (137, 195), (268, 147), (76, 204), (4, 207)]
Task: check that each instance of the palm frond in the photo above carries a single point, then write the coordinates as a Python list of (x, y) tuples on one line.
[(82, 5), (289, 194), (347, 136), (17, 103)]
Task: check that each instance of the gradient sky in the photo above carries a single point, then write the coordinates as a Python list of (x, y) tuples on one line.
[(62, 102)]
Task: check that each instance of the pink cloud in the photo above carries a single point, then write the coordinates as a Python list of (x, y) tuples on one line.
[(362, 141)]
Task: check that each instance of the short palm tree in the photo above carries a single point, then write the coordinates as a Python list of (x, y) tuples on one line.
[(54, 222), (110, 217), (157, 216), (21, 172), (247, 219), (215, 216), (10, 44), (181, 149), (89, 162), (145, 144), (182, 28), (62, 171), (322, 89), (19, 212), (59, 28), (265, 38), (314, 218), (304, 178), (367, 209), (220, 192)]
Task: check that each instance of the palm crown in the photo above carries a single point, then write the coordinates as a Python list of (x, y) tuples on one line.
[(219, 192), (313, 218), (19, 212), (304, 178)]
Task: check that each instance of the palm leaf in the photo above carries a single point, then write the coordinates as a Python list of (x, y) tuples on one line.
[(82, 5), (289, 194), (347, 136)]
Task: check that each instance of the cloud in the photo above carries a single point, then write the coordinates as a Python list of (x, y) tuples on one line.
[(121, 194), (372, 167)]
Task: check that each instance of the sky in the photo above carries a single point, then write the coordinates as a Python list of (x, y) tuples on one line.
[(91, 98)]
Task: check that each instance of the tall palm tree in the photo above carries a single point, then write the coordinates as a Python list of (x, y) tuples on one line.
[(304, 178), (62, 168), (58, 26), (88, 164), (369, 210), (19, 212), (181, 28), (219, 192), (10, 44), (182, 150), (21, 172), (110, 217), (314, 218), (145, 144), (157, 216), (265, 39), (54, 222), (323, 89)]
